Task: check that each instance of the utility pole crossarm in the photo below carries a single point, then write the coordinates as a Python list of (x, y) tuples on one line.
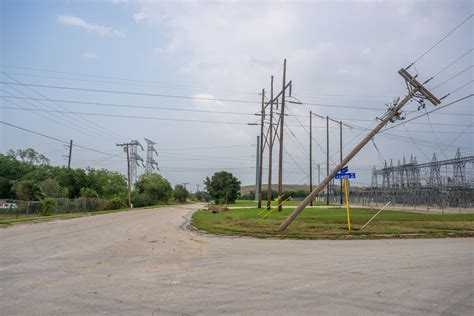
[(393, 112)]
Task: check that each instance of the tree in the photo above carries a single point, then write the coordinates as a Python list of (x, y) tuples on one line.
[(203, 196), (88, 193), (223, 187), (107, 183), (29, 155), (50, 188), (27, 190), (180, 193), (157, 188)]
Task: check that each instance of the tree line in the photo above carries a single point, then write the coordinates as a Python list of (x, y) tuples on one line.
[(27, 175)]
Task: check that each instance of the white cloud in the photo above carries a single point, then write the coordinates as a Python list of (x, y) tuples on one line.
[(99, 29), (139, 16), (89, 55)]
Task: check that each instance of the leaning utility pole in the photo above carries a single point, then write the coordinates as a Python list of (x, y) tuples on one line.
[(311, 153), (258, 190), (125, 147), (270, 148), (415, 90), (282, 125)]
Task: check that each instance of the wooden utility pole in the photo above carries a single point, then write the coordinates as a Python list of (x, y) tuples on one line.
[(125, 147), (340, 159), (282, 123), (260, 156), (327, 159), (70, 155), (393, 113), (311, 153), (270, 149), (257, 168)]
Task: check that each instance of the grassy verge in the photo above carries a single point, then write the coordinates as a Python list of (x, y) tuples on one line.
[(264, 202), (12, 218), (332, 224)]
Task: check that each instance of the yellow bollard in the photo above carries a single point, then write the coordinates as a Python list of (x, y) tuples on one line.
[(346, 188)]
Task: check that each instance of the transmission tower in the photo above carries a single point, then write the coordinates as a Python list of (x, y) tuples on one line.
[(435, 174), (459, 169), (150, 161), (135, 158)]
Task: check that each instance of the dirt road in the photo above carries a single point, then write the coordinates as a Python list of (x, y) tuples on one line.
[(142, 262)]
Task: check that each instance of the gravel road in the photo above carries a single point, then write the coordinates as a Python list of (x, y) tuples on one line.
[(146, 262)]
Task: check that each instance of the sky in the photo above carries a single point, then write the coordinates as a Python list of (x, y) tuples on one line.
[(189, 75)]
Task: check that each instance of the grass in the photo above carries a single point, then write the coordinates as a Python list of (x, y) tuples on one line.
[(264, 202), (332, 224), (11, 219)]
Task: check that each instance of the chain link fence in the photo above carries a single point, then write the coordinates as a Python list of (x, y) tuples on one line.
[(60, 206)]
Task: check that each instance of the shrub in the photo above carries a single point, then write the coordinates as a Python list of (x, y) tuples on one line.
[(180, 193), (117, 203), (48, 205)]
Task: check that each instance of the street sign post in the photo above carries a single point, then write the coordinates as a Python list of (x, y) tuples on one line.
[(345, 176)]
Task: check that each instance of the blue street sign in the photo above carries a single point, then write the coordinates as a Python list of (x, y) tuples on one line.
[(345, 176), (345, 169)]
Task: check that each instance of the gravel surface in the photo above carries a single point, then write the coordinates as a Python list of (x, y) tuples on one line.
[(147, 262)]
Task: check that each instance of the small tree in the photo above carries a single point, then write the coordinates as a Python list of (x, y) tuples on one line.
[(26, 190), (180, 193), (48, 205), (223, 187), (203, 196), (88, 193), (155, 187), (50, 188)]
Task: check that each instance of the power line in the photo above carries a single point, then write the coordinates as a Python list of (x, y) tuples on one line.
[(132, 106), (451, 78), (442, 39), (452, 63), (434, 110), (85, 121), (129, 93), (136, 82), (53, 138), (130, 116)]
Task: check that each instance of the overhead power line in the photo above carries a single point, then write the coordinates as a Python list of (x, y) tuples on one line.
[(443, 38), (452, 63), (129, 116), (131, 106), (84, 122), (53, 138), (434, 110), (128, 92)]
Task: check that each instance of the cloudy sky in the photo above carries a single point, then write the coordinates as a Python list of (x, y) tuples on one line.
[(194, 71)]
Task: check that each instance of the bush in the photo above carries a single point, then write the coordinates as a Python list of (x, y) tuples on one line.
[(117, 203), (88, 193), (141, 200), (155, 187), (203, 196), (48, 205), (180, 193)]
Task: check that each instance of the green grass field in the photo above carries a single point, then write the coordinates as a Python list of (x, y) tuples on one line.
[(332, 224), (264, 202)]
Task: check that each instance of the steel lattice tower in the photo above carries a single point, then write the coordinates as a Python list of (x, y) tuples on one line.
[(135, 158), (150, 161)]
